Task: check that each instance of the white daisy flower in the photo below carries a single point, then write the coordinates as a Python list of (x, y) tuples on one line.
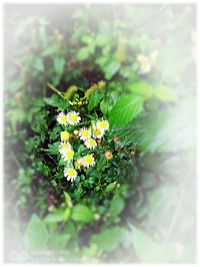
[(88, 161), (64, 146), (62, 118), (64, 136), (70, 173), (97, 133), (103, 125), (68, 155), (73, 118), (85, 134), (90, 143)]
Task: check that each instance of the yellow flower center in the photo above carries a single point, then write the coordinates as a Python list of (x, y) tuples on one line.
[(63, 118), (73, 117), (97, 132), (103, 124), (69, 154), (85, 133), (64, 135), (88, 159), (92, 142), (71, 172), (63, 146)]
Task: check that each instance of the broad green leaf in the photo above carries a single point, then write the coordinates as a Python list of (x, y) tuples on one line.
[(59, 64), (83, 53), (105, 106), (39, 65), (57, 101), (148, 91), (102, 40), (55, 216), (165, 93), (143, 89), (82, 213), (58, 241), (125, 110), (146, 248), (95, 98), (117, 205), (111, 69), (168, 131), (110, 187), (108, 239), (36, 234)]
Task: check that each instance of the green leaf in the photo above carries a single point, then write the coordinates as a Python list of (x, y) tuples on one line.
[(108, 239), (59, 64), (143, 89), (66, 214), (57, 101), (39, 65), (68, 199), (125, 110), (165, 93), (53, 149), (111, 69), (148, 91), (55, 216), (58, 241), (36, 235), (94, 100), (110, 187), (105, 106), (82, 213), (147, 250), (117, 205), (83, 53)]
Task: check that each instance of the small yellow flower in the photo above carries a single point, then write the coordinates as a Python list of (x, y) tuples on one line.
[(84, 134), (103, 125), (88, 161), (73, 118), (64, 135), (90, 143), (68, 155), (63, 147), (70, 173), (62, 118)]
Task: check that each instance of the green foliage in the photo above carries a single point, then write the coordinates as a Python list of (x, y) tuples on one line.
[(81, 213), (130, 65), (147, 250), (125, 110), (36, 235), (117, 205), (108, 239)]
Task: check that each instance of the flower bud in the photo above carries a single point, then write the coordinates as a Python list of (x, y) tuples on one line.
[(116, 139), (108, 155), (75, 132), (99, 142)]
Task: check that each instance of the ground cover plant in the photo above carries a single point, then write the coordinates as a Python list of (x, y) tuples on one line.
[(99, 115)]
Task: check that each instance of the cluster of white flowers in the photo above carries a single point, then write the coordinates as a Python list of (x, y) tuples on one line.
[(146, 62), (87, 135)]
